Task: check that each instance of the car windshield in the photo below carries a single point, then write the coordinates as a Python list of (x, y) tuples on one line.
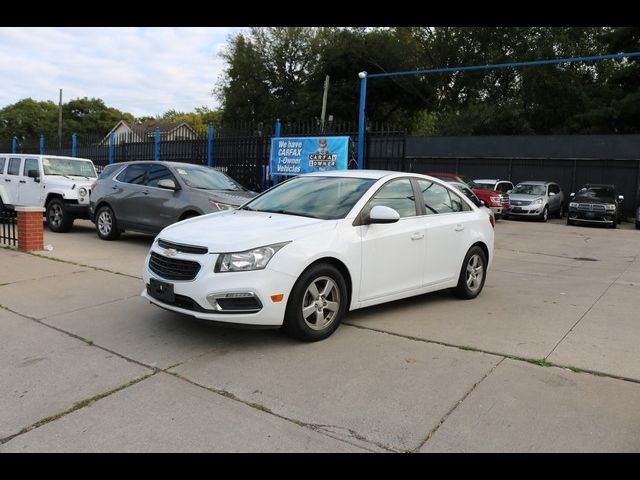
[(328, 198), (597, 192), (207, 178), (489, 185), (68, 166), (530, 189), (470, 183)]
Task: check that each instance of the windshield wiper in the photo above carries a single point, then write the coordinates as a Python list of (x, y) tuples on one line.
[(288, 212)]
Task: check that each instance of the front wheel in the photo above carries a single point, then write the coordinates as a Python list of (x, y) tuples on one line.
[(58, 219), (472, 274), (317, 304), (544, 216)]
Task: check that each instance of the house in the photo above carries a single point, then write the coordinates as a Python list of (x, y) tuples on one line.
[(145, 132)]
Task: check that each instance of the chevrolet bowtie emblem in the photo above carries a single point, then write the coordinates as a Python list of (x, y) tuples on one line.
[(170, 252)]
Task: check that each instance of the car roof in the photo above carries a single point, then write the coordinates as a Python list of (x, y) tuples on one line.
[(535, 182), (599, 185), (38, 155), (372, 174), (489, 180)]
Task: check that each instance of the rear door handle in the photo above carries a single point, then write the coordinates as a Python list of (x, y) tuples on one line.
[(7, 180), (417, 236), (459, 227), (145, 192), (23, 181)]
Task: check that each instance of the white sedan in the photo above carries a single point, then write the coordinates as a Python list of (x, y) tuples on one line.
[(304, 253)]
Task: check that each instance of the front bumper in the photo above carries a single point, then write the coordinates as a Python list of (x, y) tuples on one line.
[(589, 217), (197, 297), (525, 210), (77, 210)]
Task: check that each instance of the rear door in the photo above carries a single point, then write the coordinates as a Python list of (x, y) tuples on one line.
[(12, 180), (128, 193)]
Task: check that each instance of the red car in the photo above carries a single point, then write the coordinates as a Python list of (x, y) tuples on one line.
[(495, 200)]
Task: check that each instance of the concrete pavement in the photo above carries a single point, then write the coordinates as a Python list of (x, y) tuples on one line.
[(88, 365)]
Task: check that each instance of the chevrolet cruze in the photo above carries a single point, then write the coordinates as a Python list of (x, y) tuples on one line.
[(304, 253)]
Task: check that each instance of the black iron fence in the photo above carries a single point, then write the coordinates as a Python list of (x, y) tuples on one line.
[(8, 228)]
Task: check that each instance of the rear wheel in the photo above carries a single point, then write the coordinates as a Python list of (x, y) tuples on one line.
[(58, 219), (472, 274), (561, 211), (317, 304), (106, 224)]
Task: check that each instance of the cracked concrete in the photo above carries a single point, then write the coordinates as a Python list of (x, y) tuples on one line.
[(87, 365)]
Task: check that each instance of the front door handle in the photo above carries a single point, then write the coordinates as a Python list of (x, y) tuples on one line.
[(145, 192), (23, 181), (417, 236), (7, 179), (459, 227)]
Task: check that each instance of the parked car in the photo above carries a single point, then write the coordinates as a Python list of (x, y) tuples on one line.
[(310, 249), (638, 217), (148, 196), (496, 201), (537, 199), (467, 192), (596, 204), (61, 185), (504, 186)]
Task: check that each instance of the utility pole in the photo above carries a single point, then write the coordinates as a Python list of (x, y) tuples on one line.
[(60, 121), (324, 102)]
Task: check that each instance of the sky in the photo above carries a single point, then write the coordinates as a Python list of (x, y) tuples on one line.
[(143, 71)]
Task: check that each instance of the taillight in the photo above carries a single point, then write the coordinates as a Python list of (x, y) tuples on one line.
[(492, 221)]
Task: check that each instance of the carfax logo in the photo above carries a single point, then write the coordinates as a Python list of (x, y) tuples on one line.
[(322, 157)]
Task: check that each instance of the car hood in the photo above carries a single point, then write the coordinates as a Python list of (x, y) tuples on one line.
[(54, 181), (524, 197), (235, 198), (584, 199), (486, 191), (237, 230)]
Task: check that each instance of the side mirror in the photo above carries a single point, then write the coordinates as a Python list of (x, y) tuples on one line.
[(572, 195), (509, 191), (35, 174), (552, 194), (167, 184), (621, 198), (480, 203), (382, 214)]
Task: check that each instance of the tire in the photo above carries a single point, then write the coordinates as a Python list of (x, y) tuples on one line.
[(544, 216), (561, 211), (637, 225), (59, 220), (475, 262), (330, 290), (106, 224), (569, 221)]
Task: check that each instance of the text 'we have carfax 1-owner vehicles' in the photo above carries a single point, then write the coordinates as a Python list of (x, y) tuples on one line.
[(318, 245), (61, 185)]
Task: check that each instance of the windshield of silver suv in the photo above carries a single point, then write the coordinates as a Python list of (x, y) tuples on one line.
[(207, 179), (68, 166), (530, 189)]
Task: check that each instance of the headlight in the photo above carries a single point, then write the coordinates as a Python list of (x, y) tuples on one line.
[(573, 205), (495, 199), (220, 206), (82, 191), (537, 202), (255, 259), (610, 206)]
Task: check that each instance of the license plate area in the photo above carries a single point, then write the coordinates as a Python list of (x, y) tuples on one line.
[(162, 291)]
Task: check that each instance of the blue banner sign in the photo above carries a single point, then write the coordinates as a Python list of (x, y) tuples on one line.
[(297, 155)]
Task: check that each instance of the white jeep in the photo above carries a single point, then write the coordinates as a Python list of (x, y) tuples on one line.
[(61, 185)]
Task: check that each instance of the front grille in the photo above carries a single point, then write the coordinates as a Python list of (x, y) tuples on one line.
[(173, 268), (591, 207), (520, 202), (504, 200), (179, 247)]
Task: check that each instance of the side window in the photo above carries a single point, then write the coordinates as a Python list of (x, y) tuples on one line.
[(133, 174), (157, 173), (554, 188), (503, 187), (108, 170), (396, 194), (2, 162), (438, 199), (14, 166), (30, 164)]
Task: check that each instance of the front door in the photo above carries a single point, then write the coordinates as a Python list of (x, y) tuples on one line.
[(30, 190), (392, 254), (12, 180)]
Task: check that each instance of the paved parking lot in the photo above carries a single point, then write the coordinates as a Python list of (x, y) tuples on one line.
[(545, 359)]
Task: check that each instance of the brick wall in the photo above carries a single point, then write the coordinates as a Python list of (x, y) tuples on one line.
[(30, 228)]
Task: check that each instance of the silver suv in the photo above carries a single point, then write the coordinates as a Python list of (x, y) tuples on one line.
[(537, 200), (148, 196)]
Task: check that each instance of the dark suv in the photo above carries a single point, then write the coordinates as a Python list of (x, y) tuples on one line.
[(148, 196), (595, 204)]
